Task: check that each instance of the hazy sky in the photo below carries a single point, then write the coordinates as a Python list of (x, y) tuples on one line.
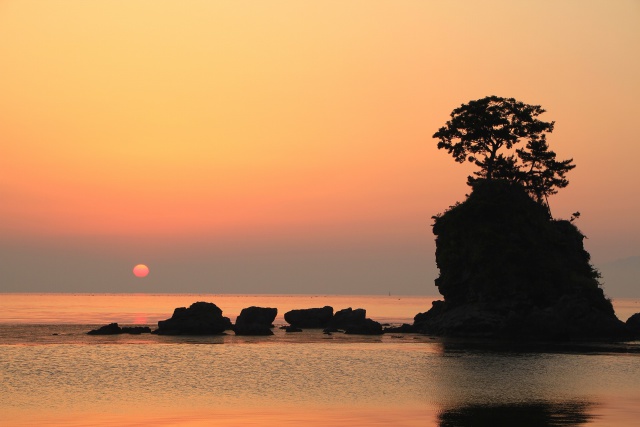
[(285, 146)]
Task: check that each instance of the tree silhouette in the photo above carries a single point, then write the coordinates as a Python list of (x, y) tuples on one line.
[(485, 132)]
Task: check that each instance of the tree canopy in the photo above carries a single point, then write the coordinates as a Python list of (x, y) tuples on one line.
[(487, 131)]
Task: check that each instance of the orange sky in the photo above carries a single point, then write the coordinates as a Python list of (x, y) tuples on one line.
[(155, 128)]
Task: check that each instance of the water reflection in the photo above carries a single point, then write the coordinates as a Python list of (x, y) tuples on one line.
[(499, 385), (537, 414)]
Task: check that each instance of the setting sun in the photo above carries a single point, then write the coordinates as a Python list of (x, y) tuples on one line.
[(141, 270)]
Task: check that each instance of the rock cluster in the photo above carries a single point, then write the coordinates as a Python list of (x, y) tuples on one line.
[(348, 320), (508, 270), (205, 318)]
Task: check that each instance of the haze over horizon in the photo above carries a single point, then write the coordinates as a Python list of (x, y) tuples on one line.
[(286, 147)]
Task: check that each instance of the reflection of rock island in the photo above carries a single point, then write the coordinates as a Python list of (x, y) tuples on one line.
[(508, 270), (540, 414)]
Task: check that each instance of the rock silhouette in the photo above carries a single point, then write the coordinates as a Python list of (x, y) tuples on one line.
[(345, 317), (364, 327), (633, 323), (136, 330), (110, 329), (115, 329), (310, 317), (354, 322), (508, 270), (201, 318), (255, 321)]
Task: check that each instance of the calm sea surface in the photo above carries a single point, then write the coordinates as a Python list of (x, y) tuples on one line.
[(53, 374)]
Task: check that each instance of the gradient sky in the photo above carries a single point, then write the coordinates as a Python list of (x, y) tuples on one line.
[(285, 146)]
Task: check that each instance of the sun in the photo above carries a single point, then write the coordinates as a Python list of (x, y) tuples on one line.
[(140, 270)]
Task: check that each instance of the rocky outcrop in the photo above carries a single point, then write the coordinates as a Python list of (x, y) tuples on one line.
[(353, 322), (347, 316), (255, 321), (364, 327), (115, 329), (508, 270), (110, 329), (201, 318), (310, 317), (633, 323)]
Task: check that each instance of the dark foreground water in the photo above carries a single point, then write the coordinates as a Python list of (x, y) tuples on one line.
[(53, 374)]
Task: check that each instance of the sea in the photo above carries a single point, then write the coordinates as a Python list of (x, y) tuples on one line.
[(53, 374)]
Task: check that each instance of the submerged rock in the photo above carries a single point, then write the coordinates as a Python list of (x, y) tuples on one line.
[(508, 270), (310, 317), (201, 318), (255, 321)]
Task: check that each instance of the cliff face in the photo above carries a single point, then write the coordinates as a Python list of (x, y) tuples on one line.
[(507, 269)]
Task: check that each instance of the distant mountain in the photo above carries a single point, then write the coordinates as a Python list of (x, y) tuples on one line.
[(621, 278)]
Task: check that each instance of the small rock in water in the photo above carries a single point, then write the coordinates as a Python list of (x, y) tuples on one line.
[(201, 318), (354, 322), (255, 321), (110, 329), (310, 317), (114, 329)]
